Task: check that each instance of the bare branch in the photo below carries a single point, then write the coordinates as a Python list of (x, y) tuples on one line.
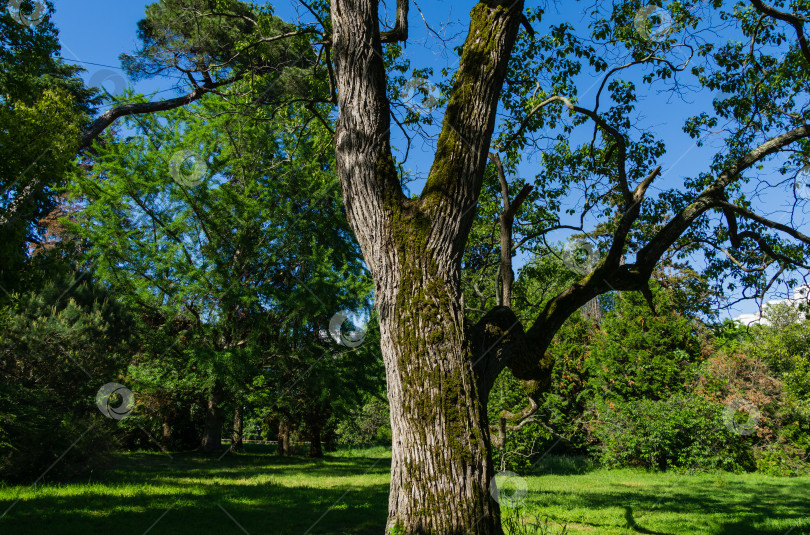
[(767, 222)]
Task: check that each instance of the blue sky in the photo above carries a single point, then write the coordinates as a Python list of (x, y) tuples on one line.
[(94, 33)]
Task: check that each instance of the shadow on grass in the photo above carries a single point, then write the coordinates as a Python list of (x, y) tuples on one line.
[(260, 493), (690, 506), (801, 527), (193, 493), (564, 465), (632, 524)]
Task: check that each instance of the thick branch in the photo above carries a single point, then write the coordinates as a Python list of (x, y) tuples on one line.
[(498, 340), (794, 20), (365, 165), (737, 237), (400, 31), (767, 222), (634, 277), (507, 221), (463, 145), (629, 217), (712, 196), (22, 200), (107, 118)]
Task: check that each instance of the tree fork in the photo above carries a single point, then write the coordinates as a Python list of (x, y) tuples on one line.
[(441, 464)]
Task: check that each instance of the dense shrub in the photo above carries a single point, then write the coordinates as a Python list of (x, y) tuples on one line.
[(632, 355), (782, 421), (682, 431), (368, 426), (650, 390), (782, 458), (786, 350), (35, 434), (639, 355), (58, 345)]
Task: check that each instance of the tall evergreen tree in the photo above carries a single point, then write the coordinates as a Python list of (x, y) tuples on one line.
[(43, 107)]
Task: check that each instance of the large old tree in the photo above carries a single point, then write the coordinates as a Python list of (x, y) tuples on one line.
[(440, 367)]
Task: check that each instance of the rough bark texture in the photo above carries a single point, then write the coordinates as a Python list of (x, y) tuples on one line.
[(441, 468), (214, 419)]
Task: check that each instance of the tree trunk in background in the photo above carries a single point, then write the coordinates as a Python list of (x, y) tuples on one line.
[(214, 420), (592, 311), (166, 434), (315, 448), (236, 437), (283, 438)]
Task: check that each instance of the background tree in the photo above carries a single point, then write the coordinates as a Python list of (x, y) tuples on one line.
[(43, 105), (210, 249), (59, 343)]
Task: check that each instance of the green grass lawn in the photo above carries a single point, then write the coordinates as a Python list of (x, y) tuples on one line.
[(259, 493), (635, 501)]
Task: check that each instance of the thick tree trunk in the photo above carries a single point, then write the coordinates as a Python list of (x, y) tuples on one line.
[(283, 438), (440, 468), (437, 382), (214, 420), (236, 437)]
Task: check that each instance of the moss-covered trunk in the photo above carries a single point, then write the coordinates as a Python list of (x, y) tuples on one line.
[(441, 468), (441, 465)]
